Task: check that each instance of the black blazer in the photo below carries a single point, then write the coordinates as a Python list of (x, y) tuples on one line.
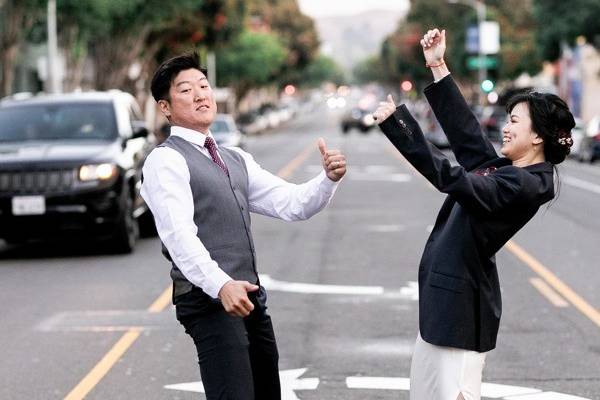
[(488, 201)]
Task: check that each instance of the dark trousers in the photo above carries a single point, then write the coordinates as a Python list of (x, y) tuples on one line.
[(238, 357)]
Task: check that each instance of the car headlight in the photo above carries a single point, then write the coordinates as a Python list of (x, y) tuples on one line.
[(97, 172), (368, 120)]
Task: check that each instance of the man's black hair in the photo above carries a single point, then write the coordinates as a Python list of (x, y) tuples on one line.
[(168, 70)]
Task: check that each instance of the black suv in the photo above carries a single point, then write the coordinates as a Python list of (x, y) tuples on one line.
[(358, 118), (70, 166)]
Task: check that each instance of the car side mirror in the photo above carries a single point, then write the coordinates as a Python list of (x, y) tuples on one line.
[(139, 129)]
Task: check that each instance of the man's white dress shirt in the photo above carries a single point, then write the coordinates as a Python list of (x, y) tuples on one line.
[(166, 190)]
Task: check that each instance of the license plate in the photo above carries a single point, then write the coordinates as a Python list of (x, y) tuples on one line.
[(28, 205)]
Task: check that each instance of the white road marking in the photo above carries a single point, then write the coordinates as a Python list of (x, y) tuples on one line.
[(488, 390), (581, 184), (290, 382), (374, 382), (385, 228), (310, 288), (357, 176), (375, 173)]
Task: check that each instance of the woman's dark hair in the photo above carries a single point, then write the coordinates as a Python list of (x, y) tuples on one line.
[(551, 119), (168, 70)]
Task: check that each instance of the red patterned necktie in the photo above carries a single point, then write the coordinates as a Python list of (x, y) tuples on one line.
[(210, 145)]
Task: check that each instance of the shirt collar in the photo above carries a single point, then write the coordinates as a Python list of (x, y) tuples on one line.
[(192, 136), (543, 166)]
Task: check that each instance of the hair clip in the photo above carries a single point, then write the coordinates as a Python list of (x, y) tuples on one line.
[(565, 141), (564, 138)]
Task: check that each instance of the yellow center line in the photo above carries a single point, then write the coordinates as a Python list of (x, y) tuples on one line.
[(548, 292), (583, 306), (550, 278), (104, 365), (290, 167), (96, 374)]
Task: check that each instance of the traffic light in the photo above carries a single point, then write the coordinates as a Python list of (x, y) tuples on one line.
[(487, 86), (406, 86)]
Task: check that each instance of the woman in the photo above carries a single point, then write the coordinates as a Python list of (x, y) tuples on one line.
[(489, 199)]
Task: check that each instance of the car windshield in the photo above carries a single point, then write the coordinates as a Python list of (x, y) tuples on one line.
[(58, 121)]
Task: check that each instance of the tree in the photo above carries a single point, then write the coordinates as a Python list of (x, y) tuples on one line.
[(296, 31), (322, 69), (16, 18), (401, 54), (368, 70), (119, 33), (252, 60), (563, 21), (517, 52)]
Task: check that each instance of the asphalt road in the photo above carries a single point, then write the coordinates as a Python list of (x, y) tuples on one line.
[(76, 322)]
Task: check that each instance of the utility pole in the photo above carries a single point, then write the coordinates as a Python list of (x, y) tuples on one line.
[(481, 11), (211, 66), (53, 83), (480, 8)]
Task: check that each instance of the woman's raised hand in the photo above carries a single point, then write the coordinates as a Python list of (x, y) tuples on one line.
[(434, 46), (385, 109)]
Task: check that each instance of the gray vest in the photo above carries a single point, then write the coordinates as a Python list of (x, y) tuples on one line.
[(220, 213)]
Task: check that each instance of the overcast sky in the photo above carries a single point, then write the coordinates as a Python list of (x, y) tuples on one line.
[(319, 8)]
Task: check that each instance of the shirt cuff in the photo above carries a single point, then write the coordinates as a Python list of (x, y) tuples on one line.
[(327, 184), (215, 281)]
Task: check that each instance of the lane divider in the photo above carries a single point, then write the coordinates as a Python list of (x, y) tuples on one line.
[(577, 301), (548, 292), (87, 384), (548, 277)]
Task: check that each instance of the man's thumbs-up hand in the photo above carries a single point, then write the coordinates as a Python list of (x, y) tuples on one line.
[(334, 162)]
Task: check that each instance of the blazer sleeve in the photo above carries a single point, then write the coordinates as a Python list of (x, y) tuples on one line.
[(467, 140), (481, 194)]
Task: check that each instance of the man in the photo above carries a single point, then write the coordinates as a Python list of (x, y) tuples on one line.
[(201, 196)]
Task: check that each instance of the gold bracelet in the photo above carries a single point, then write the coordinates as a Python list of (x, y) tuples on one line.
[(435, 65)]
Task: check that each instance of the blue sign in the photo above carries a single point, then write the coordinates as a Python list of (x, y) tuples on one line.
[(472, 39)]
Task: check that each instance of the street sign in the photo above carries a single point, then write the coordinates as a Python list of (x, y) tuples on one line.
[(472, 39), (489, 37), (475, 62)]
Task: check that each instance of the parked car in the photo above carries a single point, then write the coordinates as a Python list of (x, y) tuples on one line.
[(357, 118), (493, 119), (578, 135), (589, 150), (225, 131), (70, 166), (434, 134), (252, 122)]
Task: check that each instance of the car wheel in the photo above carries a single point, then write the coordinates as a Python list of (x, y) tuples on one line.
[(127, 230)]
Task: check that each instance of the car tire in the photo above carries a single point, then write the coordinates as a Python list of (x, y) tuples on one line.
[(127, 228)]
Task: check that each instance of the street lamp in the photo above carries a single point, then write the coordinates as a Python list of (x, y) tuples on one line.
[(481, 10)]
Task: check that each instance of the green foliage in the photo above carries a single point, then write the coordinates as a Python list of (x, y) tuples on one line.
[(401, 55), (295, 30), (322, 69), (368, 70), (252, 60), (563, 21)]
